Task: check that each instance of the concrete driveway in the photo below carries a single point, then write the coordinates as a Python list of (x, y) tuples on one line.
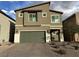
[(28, 50)]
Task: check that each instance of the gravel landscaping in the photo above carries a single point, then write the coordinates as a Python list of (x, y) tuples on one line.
[(65, 49), (55, 49)]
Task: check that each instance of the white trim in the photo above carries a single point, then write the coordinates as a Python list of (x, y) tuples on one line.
[(55, 28), (9, 19), (33, 30), (17, 37), (48, 37), (61, 37), (44, 13), (12, 21), (45, 25), (32, 19), (51, 26)]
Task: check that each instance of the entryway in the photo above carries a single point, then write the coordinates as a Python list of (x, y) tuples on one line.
[(55, 36)]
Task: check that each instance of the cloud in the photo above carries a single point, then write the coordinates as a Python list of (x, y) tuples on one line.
[(64, 4), (4, 11), (12, 12), (13, 5), (67, 7), (20, 4)]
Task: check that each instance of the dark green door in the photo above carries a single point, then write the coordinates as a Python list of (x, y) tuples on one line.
[(32, 36)]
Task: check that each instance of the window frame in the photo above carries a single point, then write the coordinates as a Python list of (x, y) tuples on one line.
[(55, 15), (20, 14), (44, 13), (29, 16)]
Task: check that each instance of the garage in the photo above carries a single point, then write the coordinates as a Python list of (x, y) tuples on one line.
[(32, 36)]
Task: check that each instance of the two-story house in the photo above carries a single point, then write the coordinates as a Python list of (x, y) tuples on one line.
[(71, 28), (37, 23)]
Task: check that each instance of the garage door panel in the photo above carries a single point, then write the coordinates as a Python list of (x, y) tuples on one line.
[(32, 36)]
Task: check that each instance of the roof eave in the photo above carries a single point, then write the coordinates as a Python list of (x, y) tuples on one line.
[(68, 17), (12, 20), (56, 11)]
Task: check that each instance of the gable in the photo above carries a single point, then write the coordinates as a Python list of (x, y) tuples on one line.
[(34, 6), (7, 17)]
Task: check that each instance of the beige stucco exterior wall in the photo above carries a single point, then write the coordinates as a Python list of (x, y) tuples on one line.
[(5, 26), (43, 23), (56, 25), (41, 20), (44, 8)]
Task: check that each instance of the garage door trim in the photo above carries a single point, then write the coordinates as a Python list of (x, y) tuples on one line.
[(36, 32)]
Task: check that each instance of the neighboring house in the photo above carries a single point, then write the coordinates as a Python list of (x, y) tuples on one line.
[(71, 28), (7, 28), (37, 23)]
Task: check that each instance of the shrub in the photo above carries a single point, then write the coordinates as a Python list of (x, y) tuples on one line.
[(55, 46), (68, 43), (60, 51), (63, 45), (76, 47), (52, 43)]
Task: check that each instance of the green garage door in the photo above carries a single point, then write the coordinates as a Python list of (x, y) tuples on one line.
[(32, 36)]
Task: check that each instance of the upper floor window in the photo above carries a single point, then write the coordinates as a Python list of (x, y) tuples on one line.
[(32, 17), (44, 14), (55, 19), (20, 14)]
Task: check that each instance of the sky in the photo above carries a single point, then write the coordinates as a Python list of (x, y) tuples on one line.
[(67, 7)]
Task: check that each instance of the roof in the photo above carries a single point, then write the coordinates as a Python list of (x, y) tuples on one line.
[(11, 19), (33, 5), (69, 17), (56, 11), (31, 11), (38, 5)]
